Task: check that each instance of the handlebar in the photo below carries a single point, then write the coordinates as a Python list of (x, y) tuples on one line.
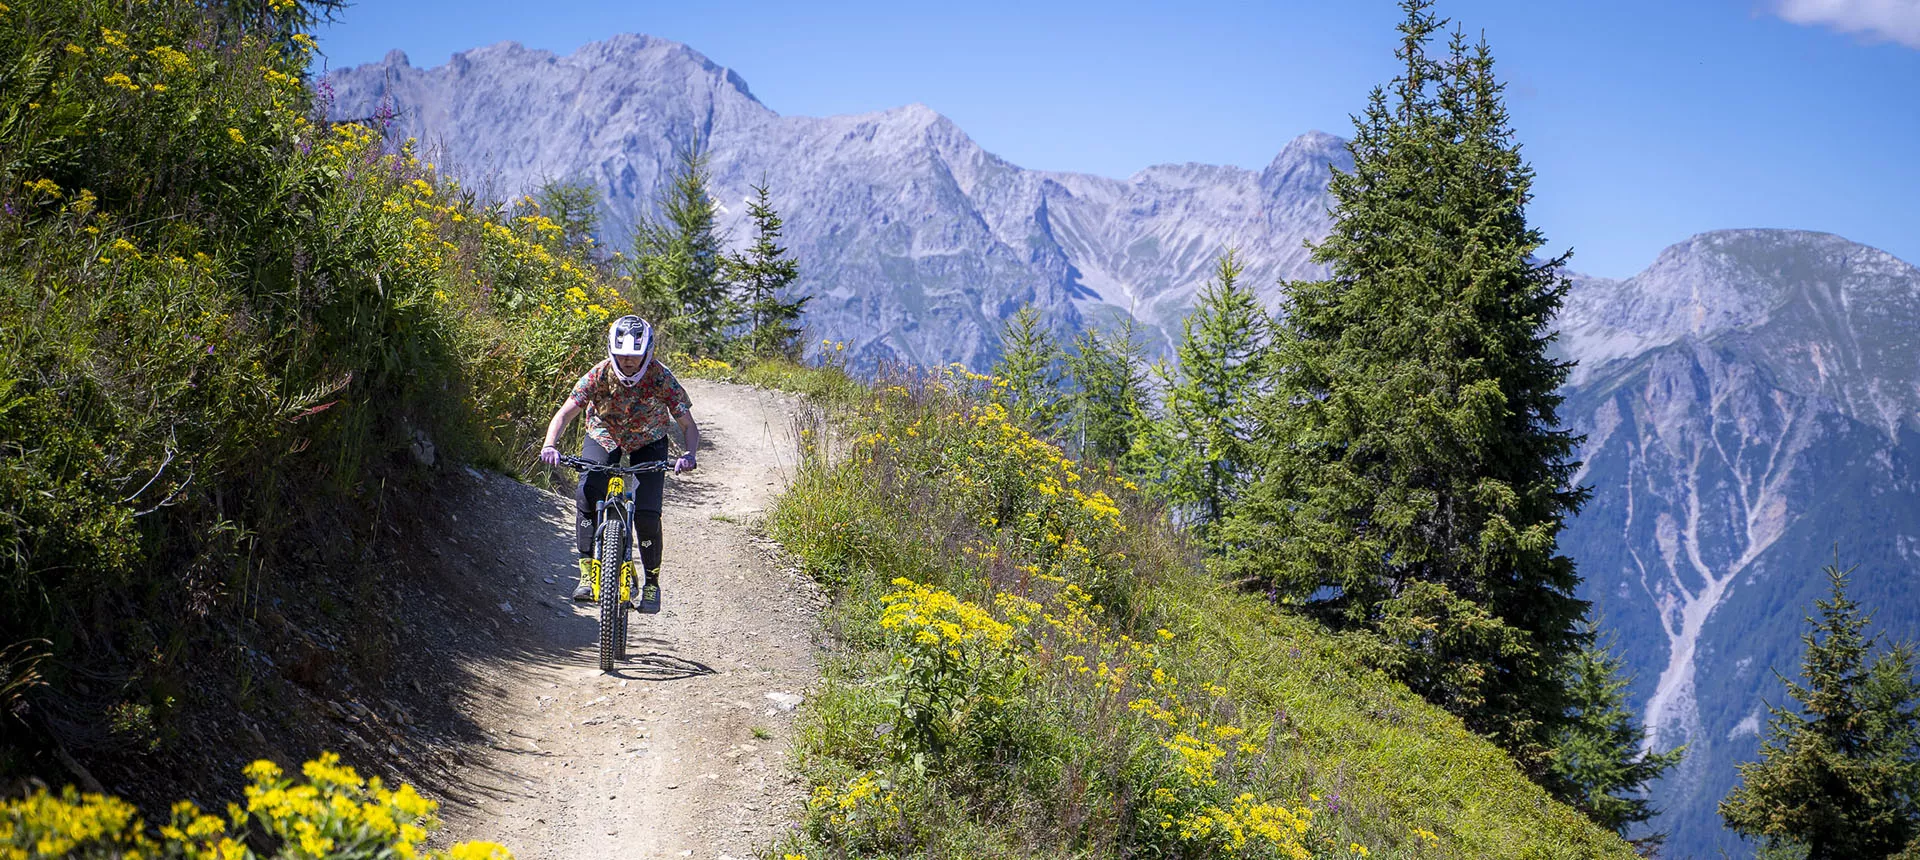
[(585, 465)]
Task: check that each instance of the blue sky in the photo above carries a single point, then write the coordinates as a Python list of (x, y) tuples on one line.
[(1646, 121)]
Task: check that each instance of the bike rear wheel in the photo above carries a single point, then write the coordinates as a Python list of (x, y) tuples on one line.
[(613, 613)]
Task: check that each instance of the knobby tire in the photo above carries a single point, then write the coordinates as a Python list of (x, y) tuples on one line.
[(613, 615)]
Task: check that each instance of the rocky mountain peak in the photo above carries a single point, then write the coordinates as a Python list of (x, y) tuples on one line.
[(1305, 161)]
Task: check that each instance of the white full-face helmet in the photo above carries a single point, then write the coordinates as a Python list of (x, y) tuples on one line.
[(629, 335)]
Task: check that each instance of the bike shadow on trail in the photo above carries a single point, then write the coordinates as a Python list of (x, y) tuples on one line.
[(654, 666)]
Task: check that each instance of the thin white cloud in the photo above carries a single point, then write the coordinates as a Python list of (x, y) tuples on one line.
[(1892, 20)]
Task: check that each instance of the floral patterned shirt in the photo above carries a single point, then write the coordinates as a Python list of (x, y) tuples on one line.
[(629, 418)]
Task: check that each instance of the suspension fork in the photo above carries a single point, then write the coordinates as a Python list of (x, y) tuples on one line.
[(625, 512)]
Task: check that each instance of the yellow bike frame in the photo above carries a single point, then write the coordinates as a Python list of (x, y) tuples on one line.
[(617, 485)]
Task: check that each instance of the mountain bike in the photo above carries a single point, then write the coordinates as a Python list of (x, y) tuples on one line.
[(614, 584)]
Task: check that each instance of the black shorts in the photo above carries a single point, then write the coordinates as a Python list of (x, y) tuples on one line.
[(649, 487)]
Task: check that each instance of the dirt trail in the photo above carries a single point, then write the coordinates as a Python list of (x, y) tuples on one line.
[(682, 751)]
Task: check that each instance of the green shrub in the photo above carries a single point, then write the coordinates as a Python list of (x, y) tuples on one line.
[(221, 318)]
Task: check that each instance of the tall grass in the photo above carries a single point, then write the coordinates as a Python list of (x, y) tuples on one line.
[(224, 321), (1036, 666)]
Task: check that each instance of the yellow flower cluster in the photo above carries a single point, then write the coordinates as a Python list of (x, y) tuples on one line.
[(865, 798), (169, 59), (935, 618), (1250, 824), (332, 813), (44, 825), (336, 809), (710, 368), (44, 186)]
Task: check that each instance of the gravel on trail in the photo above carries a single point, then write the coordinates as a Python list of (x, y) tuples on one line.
[(682, 750)]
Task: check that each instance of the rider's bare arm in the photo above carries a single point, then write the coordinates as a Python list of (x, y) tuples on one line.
[(692, 433), (561, 418)]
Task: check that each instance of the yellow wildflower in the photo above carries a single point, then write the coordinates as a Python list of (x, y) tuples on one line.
[(170, 59)]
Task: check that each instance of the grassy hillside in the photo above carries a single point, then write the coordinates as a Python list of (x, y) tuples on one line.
[(232, 337), (1035, 666)]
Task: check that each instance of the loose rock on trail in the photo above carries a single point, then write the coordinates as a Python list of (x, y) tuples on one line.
[(680, 752)]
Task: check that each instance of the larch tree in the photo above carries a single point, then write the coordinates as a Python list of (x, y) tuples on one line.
[(764, 274), (1108, 403), (678, 261), (1027, 376), (574, 205), (1205, 447)]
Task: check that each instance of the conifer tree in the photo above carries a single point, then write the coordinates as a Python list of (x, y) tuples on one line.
[(574, 205), (1418, 477), (1028, 372), (1840, 777), (1601, 764), (1109, 399), (677, 262), (1204, 447), (763, 273)]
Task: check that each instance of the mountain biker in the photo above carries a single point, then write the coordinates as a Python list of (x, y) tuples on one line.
[(630, 399)]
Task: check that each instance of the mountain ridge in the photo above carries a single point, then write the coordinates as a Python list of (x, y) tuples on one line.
[(1079, 246)]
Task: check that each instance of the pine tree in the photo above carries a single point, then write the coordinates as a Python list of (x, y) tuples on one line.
[(1204, 447), (763, 274), (1841, 776), (1418, 477), (1028, 372), (574, 205), (677, 262), (1109, 400), (1601, 764)]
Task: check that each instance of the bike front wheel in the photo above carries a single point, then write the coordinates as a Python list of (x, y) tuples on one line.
[(613, 613)]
